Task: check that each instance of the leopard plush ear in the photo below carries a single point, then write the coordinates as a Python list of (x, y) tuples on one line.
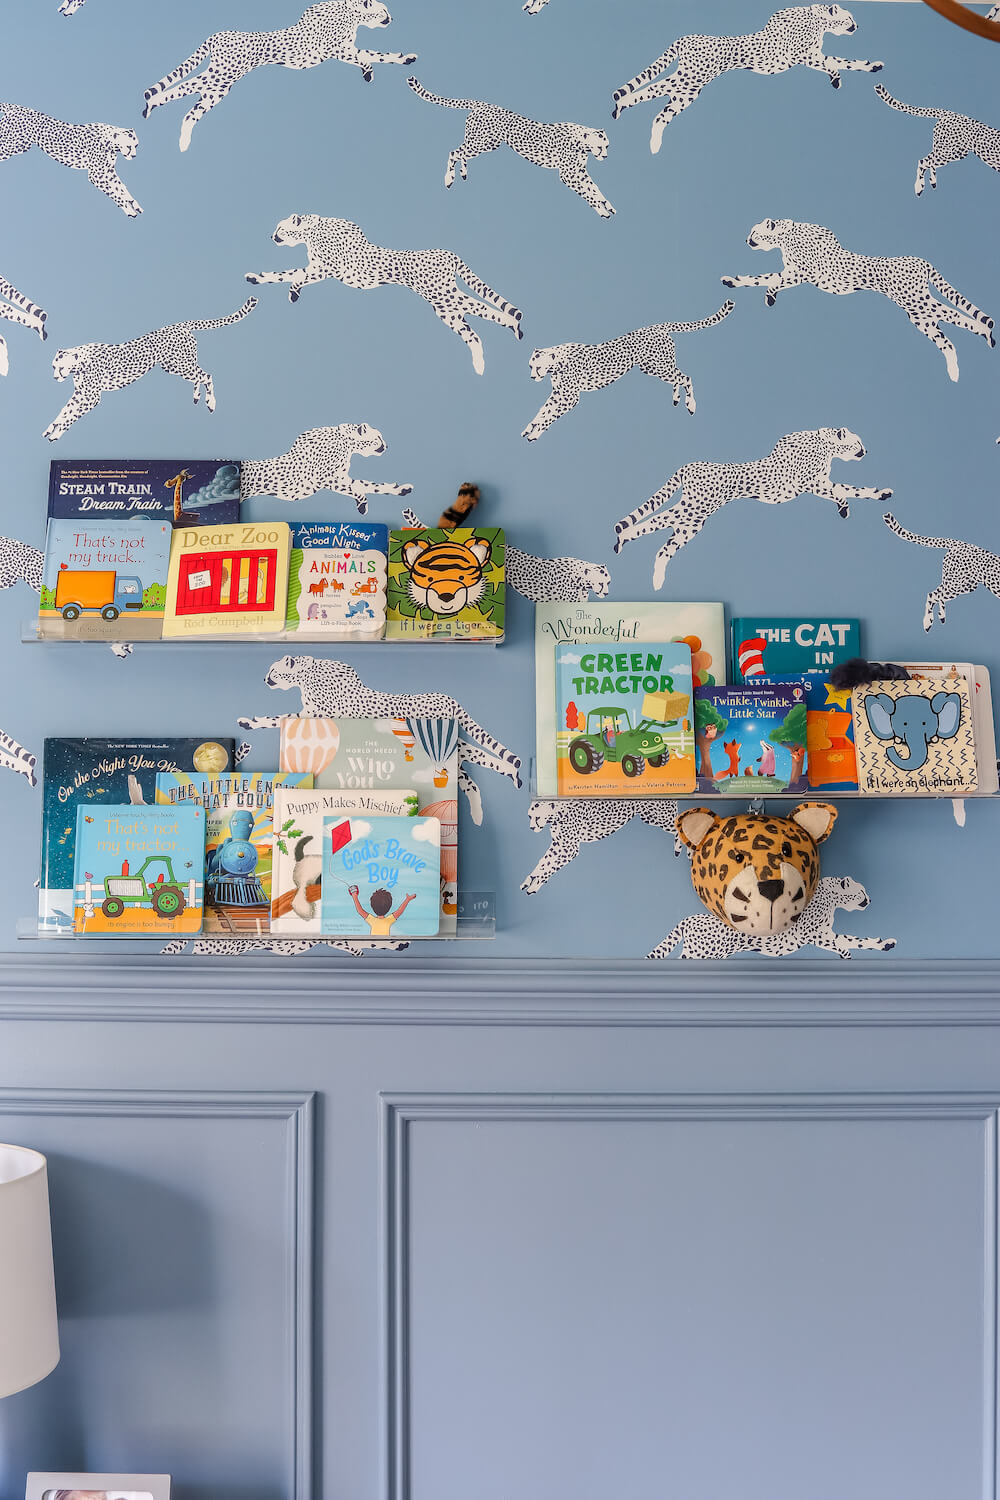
[(815, 818), (695, 824)]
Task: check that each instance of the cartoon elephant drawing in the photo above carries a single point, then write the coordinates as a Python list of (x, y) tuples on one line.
[(914, 722)]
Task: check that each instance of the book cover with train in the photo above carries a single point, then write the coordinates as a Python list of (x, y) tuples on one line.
[(751, 740), (179, 491), (104, 580), (381, 876), (228, 580), (337, 581), (625, 719), (138, 871)]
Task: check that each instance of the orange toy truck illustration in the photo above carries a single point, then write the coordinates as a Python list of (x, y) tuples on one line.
[(106, 593)]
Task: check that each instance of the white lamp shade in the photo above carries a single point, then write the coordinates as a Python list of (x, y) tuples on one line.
[(29, 1337)]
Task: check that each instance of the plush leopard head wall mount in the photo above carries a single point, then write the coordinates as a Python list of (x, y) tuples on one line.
[(756, 873)]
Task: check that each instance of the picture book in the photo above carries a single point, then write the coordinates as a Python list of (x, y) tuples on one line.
[(381, 877), (699, 626), (446, 585), (977, 679), (765, 646), (179, 491), (239, 828), (751, 740), (228, 580), (337, 581), (915, 736), (625, 720), (138, 871), (380, 755), (831, 764), (296, 875), (104, 580), (100, 772)]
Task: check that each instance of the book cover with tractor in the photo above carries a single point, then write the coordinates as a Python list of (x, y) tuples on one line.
[(104, 579), (98, 772), (446, 584), (381, 876), (751, 740), (138, 871), (337, 581), (624, 719)]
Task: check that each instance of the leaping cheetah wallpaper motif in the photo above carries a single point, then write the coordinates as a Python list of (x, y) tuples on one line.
[(620, 385)]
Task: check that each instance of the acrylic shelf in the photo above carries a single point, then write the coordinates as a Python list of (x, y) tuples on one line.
[(709, 799), (31, 636)]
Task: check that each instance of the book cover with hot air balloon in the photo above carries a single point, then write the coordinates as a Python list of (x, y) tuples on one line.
[(387, 755), (380, 877)]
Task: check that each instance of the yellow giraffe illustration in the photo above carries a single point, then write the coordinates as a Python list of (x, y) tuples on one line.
[(177, 485)]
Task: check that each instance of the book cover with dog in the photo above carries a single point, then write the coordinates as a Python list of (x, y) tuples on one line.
[(751, 740), (446, 584), (138, 871), (337, 581), (297, 869), (380, 877)]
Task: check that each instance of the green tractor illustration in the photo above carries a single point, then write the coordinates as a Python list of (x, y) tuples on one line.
[(609, 735), (163, 895)]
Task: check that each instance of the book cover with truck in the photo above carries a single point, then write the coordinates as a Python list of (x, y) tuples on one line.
[(97, 772), (337, 581), (751, 740), (179, 491), (764, 646), (380, 877), (104, 580), (138, 871), (228, 580), (625, 719)]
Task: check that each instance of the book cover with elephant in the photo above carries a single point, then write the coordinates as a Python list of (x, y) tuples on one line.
[(446, 584), (337, 581), (624, 719), (751, 740), (915, 737)]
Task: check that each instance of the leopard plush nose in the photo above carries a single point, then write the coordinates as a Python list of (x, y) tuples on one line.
[(771, 889)]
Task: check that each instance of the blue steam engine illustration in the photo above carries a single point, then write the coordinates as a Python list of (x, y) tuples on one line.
[(232, 878)]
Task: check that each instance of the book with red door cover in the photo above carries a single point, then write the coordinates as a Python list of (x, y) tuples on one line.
[(228, 580)]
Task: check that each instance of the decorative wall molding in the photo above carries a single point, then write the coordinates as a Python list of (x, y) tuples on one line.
[(401, 989), (297, 1111), (398, 1112)]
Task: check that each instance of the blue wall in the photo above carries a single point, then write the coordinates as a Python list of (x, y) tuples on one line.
[(323, 141)]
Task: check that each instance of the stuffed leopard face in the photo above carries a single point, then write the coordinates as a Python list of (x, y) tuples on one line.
[(756, 873), (446, 576)]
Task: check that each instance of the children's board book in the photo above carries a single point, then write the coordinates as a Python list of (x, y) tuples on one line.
[(916, 737), (831, 763), (977, 679), (104, 579), (751, 740), (180, 491), (380, 755), (138, 870), (446, 585), (239, 854), (381, 877), (613, 626), (336, 582), (228, 580), (99, 772), (625, 719), (764, 646), (296, 875)]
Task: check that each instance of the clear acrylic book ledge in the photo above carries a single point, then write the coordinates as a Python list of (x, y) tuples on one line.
[(32, 634)]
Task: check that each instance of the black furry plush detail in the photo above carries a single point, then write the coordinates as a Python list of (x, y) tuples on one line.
[(857, 671)]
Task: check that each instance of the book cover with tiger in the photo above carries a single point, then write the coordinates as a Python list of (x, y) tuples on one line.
[(446, 585)]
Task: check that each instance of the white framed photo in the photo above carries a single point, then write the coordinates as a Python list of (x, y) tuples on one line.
[(98, 1487)]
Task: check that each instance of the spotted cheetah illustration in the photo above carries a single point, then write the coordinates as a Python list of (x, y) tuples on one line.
[(575, 368), (534, 6), (563, 147), (323, 32), (320, 459), (338, 248), (703, 935), (954, 136), (572, 823), (70, 7), (793, 37), (798, 464), (332, 689), (97, 368), (963, 569), (92, 148), (813, 255), (19, 563), (567, 580), (17, 308), (14, 757), (283, 947)]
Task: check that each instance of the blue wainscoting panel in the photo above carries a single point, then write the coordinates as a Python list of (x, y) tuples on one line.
[(182, 1244), (698, 1297)]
